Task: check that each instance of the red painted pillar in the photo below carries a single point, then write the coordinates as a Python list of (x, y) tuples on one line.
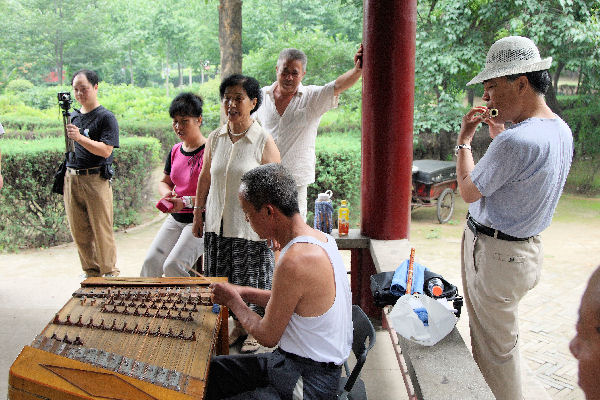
[(387, 117), (387, 133)]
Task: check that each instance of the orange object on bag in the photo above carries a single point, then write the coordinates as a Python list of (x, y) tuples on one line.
[(409, 275)]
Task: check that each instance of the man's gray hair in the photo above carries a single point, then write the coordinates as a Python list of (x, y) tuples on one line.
[(270, 184), (292, 54)]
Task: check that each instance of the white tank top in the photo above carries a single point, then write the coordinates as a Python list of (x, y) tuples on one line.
[(328, 337)]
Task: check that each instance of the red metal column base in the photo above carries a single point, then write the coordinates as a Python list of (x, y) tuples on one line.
[(362, 268)]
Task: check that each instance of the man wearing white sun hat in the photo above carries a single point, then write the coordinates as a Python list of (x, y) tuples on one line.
[(513, 192)]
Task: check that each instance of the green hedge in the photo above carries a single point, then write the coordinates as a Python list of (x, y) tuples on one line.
[(582, 113), (32, 216), (31, 128), (338, 170), (30, 124), (583, 116)]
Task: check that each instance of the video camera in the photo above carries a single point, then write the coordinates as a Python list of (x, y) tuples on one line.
[(64, 100)]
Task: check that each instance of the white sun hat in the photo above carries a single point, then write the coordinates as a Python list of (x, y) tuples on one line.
[(509, 56)]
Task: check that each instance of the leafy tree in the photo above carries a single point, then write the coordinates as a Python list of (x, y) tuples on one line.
[(328, 57), (52, 32), (129, 29), (453, 37), (333, 17), (569, 31)]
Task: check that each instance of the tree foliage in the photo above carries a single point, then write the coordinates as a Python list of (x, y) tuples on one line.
[(328, 57), (453, 37), (137, 42)]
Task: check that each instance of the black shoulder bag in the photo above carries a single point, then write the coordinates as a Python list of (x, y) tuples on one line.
[(59, 177)]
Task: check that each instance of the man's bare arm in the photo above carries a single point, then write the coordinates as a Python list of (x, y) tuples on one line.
[(350, 77), (284, 297), (255, 296)]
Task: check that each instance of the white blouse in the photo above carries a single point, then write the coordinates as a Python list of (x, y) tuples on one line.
[(229, 161)]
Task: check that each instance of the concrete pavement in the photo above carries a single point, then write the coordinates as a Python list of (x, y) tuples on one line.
[(37, 283)]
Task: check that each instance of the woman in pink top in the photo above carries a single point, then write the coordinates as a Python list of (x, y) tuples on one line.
[(175, 249)]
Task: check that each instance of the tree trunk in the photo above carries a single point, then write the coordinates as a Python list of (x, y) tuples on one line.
[(552, 101), (130, 67), (167, 69), (59, 61), (579, 79), (230, 36), (559, 68), (230, 39), (180, 71), (59, 44), (190, 77), (470, 96)]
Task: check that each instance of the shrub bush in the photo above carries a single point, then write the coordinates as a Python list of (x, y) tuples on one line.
[(582, 113), (338, 170), (31, 124), (18, 85), (32, 216), (583, 116)]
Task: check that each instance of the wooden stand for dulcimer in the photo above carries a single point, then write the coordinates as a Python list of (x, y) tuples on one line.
[(125, 338)]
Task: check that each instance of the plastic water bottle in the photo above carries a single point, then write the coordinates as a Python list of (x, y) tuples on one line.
[(435, 286), (324, 212), (343, 219)]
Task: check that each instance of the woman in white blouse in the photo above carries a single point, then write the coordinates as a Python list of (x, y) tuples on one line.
[(232, 248)]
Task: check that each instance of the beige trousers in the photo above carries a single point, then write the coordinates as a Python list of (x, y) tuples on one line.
[(89, 207), (496, 274)]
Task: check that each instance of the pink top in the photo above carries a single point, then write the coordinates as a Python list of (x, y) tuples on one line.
[(183, 168)]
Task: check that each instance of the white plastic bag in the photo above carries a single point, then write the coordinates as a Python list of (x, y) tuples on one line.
[(406, 322)]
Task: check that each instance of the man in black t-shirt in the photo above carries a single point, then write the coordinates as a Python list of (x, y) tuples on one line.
[(87, 191)]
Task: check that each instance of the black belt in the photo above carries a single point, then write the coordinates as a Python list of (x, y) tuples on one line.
[(84, 171), (476, 228), (296, 357)]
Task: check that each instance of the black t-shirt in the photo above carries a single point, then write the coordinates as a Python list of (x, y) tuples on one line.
[(99, 125)]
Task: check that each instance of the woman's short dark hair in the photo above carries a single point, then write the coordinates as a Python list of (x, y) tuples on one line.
[(270, 184), (250, 85), (91, 76), (539, 80), (186, 104)]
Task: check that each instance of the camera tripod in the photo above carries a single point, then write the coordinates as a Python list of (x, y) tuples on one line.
[(64, 102)]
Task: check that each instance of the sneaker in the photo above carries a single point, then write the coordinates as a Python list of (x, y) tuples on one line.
[(250, 345), (110, 275), (84, 276)]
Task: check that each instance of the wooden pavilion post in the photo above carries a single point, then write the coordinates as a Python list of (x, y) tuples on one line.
[(387, 131)]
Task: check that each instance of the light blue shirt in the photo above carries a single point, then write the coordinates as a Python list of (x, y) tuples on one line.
[(521, 176)]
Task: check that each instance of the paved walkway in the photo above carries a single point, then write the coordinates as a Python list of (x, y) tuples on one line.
[(35, 284), (548, 313)]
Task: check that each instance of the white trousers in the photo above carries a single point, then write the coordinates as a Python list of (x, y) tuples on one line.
[(496, 274), (174, 250)]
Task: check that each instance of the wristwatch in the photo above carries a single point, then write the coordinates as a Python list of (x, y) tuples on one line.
[(187, 202), (461, 146)]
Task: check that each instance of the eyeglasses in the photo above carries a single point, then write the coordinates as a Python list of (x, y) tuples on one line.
[(235, 99)]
